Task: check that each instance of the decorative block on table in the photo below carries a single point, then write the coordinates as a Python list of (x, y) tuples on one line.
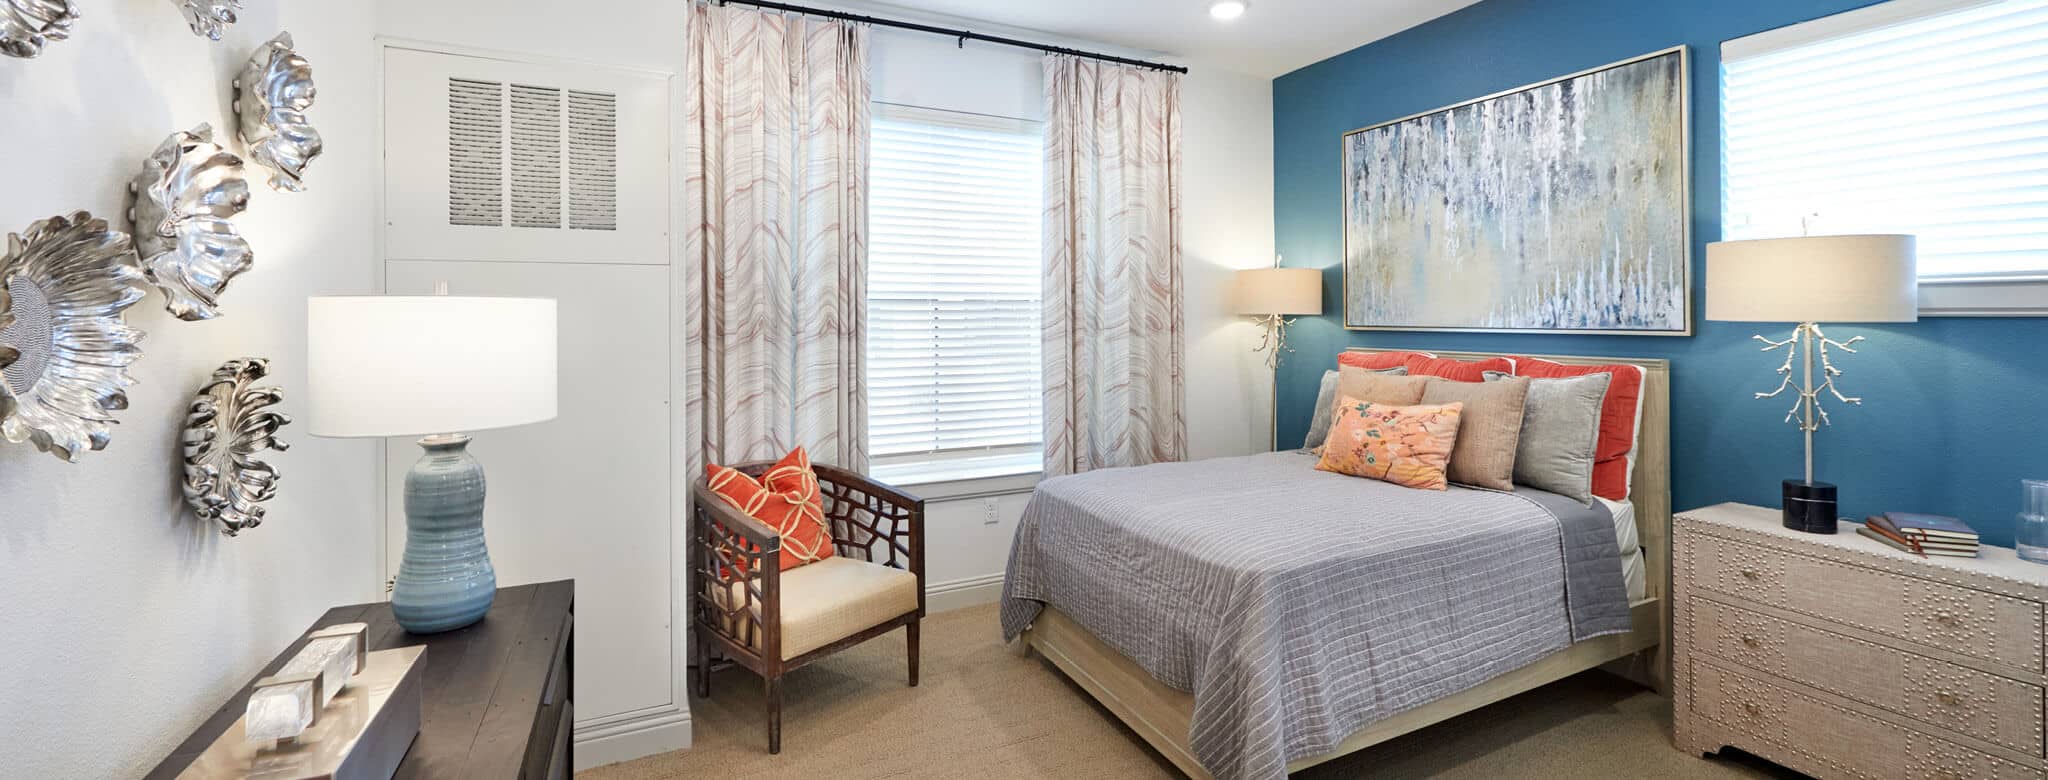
[(362, 734)]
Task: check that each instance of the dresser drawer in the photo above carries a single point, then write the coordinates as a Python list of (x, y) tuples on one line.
[(1987, 706), (1971, 622), (1824, 734)]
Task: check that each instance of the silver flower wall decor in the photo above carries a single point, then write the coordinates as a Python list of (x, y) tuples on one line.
[(69, 280), (227, 426), (271, 98), (27, 25), (184, 197), (8, 354), (209, 18)]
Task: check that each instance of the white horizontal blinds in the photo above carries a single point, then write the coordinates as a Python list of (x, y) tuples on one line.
[(953, 286), (1916, 116)]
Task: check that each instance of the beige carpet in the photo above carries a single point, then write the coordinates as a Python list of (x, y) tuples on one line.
[(983, 712)]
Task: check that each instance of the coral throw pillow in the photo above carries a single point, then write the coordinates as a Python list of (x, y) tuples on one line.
[(1406, 445), (1618, 414), (1375, 361), (785, 499), (1458, 370)]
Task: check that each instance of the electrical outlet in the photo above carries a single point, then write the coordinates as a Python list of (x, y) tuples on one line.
[(988, 512)]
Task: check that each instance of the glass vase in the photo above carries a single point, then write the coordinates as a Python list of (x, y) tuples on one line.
[(2030, 533)]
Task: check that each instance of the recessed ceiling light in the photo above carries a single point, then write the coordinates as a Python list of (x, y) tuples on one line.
[(1226, 10)]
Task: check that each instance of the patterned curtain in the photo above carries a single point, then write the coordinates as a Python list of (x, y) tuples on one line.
[(1113, 383), (774, 158)]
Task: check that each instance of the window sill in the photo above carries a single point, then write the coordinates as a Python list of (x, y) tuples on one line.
[(964, 478), (1993, 296)]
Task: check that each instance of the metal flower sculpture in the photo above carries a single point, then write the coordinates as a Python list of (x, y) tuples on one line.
[(209, 18), (226, 428), (184, 197), (26, 25), (8, 354), (271, 98), (70, 279)]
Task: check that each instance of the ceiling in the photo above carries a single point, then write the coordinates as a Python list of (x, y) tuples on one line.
[(1272, 38)]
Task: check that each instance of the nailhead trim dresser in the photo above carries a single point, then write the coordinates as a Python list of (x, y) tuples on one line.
[(1839, 657)]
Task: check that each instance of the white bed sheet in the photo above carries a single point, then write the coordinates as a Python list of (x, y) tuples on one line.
[(1625, 540)]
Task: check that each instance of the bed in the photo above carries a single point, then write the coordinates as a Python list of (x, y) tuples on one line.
[(1251, 616)]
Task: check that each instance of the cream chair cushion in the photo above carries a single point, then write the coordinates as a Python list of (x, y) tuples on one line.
[(835, 598)]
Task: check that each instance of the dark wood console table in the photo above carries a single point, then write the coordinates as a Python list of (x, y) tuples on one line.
[(496, 694)]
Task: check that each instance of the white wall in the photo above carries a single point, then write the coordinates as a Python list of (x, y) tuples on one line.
[(123, 622), (1227, 225)]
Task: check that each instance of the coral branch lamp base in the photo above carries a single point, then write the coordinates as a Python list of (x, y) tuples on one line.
[(1810, 506)]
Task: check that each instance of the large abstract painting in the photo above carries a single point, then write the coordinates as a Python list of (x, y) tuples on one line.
[(1556, 207)]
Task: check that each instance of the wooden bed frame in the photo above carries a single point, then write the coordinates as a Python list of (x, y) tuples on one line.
[(1162, 715)]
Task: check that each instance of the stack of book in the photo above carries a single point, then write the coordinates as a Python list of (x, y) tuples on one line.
[(1922, 534)]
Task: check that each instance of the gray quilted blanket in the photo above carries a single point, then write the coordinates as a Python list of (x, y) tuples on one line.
[(1299, 606)]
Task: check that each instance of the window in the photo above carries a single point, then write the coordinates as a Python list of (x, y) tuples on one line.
[(1927, 117), (953, 295)]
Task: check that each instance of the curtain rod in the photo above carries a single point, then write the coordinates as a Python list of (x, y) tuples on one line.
[(963, 36)]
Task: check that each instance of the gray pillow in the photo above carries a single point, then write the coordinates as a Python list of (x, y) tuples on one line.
[(1560, 434), (1326, 402)]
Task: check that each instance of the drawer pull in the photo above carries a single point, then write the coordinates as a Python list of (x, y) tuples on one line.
[(1752, 642), (1751, 708), (1752, 575), (1949, 699), (1946, 619)]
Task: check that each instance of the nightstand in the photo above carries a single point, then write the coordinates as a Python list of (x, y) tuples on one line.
[(1840, 657)]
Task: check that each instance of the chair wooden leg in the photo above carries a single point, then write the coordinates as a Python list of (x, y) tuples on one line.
[(772, 688), (911, 637), (702, 653)]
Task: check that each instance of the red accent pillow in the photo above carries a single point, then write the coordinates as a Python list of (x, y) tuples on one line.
[(1458, 370), (1617, 418), (1377, 361), (785, 499)]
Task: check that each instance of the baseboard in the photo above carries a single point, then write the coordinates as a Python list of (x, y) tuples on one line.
[(632, 735), (969, 592)]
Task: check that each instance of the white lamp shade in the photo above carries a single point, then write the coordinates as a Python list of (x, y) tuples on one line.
[(1869, 278), (1280, 291), (421, 365)]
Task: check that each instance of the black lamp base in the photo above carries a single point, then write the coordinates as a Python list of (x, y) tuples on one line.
[(1810, 506)]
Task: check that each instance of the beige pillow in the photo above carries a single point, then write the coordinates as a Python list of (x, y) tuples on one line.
[(1377, 388), (1488, 430)]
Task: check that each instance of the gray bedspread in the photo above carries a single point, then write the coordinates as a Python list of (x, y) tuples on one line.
[(1299, 606)]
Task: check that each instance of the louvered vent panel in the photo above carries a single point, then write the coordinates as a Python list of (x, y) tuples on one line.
[(476, 153), (536, 157), (593, 161)]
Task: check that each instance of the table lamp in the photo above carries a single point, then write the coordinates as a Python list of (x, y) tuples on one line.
[(438, 367), (1809, 280)]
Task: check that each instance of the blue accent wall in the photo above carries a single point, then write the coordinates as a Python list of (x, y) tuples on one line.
[(1956, 409)]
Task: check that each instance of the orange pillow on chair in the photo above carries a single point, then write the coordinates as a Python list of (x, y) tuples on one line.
[(1377, 361), (1458, 370), (785, 499)]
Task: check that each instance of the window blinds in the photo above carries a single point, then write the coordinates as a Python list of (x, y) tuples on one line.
[(1927, 117), (953, 287)]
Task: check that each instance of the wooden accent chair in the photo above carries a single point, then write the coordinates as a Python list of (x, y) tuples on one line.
[(773, 621)]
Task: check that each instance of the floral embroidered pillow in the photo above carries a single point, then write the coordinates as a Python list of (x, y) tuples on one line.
[(1406, 445)]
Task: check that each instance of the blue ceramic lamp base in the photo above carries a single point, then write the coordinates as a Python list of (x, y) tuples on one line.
[(445, 580)]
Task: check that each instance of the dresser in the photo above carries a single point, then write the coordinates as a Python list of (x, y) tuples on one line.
[(1840, 657), (495, 695)]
